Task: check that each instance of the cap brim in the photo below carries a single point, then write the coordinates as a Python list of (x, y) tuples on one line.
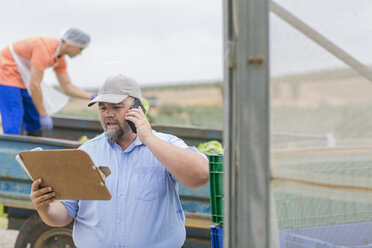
[(110, 98)]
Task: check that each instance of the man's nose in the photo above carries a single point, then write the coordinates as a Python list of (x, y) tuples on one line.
[(109, 112)]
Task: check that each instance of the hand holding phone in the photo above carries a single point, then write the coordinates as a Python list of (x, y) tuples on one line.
[(135, 104)]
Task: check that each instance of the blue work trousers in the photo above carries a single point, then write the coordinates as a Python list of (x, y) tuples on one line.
[(17, 108)]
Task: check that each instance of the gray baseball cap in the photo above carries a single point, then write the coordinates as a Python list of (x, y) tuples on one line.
[(116, 89)]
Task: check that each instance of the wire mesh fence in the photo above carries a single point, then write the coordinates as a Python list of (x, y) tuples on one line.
[(321, 123)]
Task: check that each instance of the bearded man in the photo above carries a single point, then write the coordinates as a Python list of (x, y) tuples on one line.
[(145, 209)]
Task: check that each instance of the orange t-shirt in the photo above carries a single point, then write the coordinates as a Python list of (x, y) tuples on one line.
[(38, 50)]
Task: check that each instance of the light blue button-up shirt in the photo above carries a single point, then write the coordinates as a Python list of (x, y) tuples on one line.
[(145, 209)]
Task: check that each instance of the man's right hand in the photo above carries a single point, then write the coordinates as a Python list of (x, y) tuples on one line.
[(46, 122), (41, 197)]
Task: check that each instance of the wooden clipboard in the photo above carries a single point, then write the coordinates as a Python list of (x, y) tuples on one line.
[(70, 172)]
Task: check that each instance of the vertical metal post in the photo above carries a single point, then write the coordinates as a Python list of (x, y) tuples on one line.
[(246, 125)]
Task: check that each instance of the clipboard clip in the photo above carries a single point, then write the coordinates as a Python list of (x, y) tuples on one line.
[(104, 171)]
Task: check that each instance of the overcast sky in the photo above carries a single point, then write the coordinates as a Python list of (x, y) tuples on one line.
[(169, 41), (152, 41)]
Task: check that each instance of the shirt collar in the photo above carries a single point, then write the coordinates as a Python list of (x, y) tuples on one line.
[(58, 49), (136, 142)]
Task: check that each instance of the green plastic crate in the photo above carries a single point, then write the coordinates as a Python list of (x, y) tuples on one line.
[(216, 186)]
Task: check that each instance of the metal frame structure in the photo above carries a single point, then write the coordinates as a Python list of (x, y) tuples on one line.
[(246, 124), (247, 115)]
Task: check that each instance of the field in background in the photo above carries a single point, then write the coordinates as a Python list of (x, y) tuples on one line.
[(337, 102), (195, 104)]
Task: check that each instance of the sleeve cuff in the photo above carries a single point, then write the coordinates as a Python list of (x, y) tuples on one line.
[(71, 207)]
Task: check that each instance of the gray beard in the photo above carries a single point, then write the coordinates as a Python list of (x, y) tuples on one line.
[(113, 135)]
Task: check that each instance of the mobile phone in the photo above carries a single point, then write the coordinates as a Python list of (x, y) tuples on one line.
[(135, 104)]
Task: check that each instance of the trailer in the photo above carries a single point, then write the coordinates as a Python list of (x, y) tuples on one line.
[(15, 185)]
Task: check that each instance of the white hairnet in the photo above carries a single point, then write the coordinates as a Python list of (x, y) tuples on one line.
[(75, 37)]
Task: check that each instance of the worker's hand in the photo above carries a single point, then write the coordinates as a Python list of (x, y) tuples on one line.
[(41, 197), (46, 123), (139, 119), (94, 95)]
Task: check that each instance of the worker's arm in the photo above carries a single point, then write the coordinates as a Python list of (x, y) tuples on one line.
[(52, 213), (70, 89), (35, 88), (188, 167)]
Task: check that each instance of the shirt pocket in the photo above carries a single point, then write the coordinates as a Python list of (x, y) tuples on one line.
[(150, 183)]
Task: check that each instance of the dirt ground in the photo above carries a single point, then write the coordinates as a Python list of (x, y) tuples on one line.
[(340, 92), (7, 237), (209, 96), (304, 93)]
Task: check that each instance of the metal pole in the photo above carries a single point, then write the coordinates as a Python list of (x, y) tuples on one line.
[(246, 125)]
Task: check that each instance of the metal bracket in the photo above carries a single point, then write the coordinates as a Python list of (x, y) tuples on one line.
[(258, 60)]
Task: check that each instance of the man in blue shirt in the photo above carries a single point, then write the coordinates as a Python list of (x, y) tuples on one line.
[(145, 209)]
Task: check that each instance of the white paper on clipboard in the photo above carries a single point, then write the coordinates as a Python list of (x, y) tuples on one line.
[(19, 160)]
